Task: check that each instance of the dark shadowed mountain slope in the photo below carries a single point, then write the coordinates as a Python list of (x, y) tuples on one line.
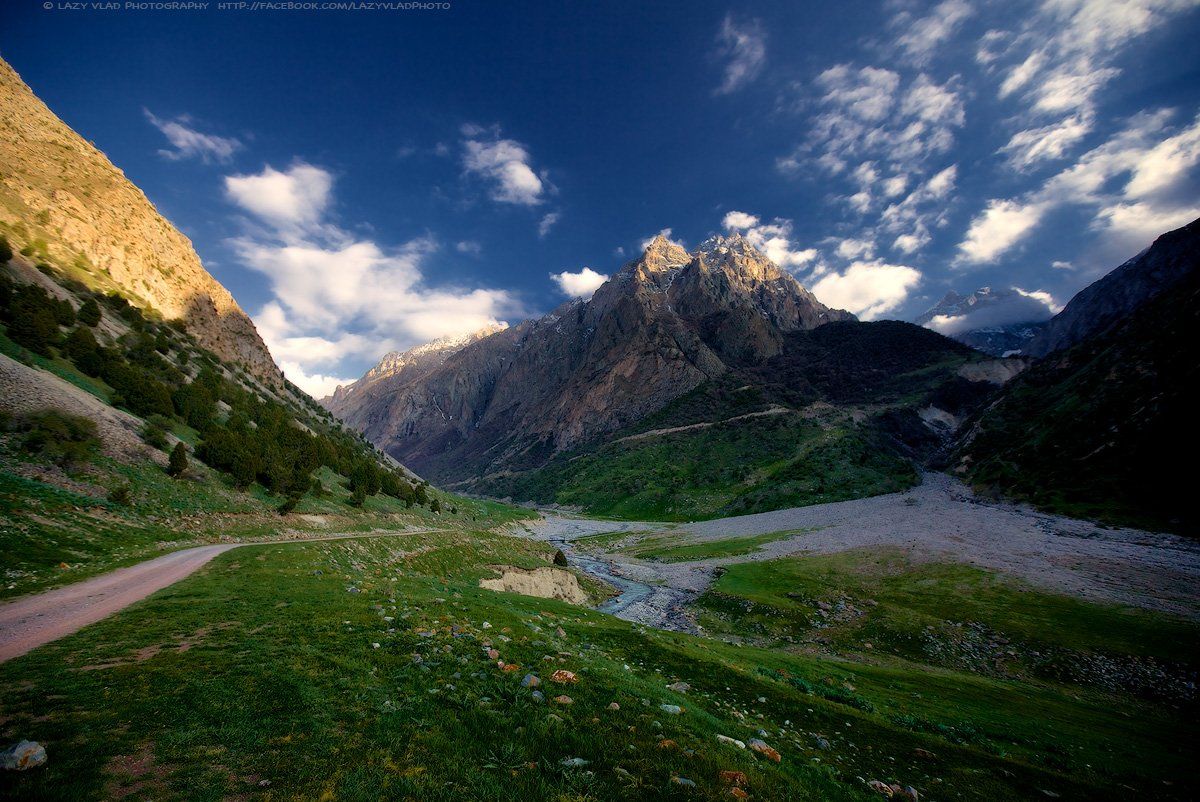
[(1105, 303), (1106, 428)]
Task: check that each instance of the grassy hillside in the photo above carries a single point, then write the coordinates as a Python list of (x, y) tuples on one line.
[(834, 417), (358, 670)]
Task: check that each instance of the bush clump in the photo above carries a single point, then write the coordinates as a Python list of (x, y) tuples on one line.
[(61, 437)]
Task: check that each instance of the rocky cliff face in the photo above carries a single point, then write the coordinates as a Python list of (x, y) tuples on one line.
[(665, 323), (63, 198)]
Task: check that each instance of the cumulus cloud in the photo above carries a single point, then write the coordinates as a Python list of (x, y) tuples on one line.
[(867, 288), (504, 164), (580, 284), (295, 198), (337, 297), (188, 143), (1000, 226), (468, 246), (774, 239), (743, 47)]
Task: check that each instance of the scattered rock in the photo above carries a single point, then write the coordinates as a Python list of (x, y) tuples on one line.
[(563, 677), (575, 762), (679, 687), (881, 788), (738, 793), (764, 750), (564, 700), (538, 696), (23, 755), (735, 778), (924, 754), (530, 681), (613, 706), (673, 710), (684, 781), (725, 739)]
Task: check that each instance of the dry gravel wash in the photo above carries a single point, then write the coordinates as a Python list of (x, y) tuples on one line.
[(941, 520), (31, 621)]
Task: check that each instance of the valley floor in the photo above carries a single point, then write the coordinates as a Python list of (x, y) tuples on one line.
[(939, 521), (971, 650)]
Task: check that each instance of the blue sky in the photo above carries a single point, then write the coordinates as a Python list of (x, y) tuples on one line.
[(368, 180)]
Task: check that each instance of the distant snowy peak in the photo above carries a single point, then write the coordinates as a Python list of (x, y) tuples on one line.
[(395, 361), (996, 321), (420, 358)]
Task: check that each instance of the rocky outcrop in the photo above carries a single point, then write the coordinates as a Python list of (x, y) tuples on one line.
[(663, 324), (61, 195)]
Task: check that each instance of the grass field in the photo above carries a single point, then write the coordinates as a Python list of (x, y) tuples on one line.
[(731, 468), (64, 530), (260, 677)]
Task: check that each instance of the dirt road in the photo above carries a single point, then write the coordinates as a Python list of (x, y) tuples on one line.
[(32, 621)]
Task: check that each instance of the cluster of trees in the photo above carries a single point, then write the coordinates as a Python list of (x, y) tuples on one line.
[(247, 436)]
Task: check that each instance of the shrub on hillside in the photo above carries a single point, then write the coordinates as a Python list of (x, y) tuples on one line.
[(178, 462), (61, 437), (6, 251), (89, 313), (154, 432)]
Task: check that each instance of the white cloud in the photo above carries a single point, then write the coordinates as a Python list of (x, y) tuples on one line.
[(736, 221), (469, 247), (1141, 182), (188, 143), (1058, 60), (665, 234), (892, 131), (1000, 226), (318, 385), (1049, 142), (504, 163), (998, 309), (911, 243), (867, 288), (296, 198), (546, 223), (854, 248), (744, 48), (338, 298), (925, 34), (774, 239), (580, 284)]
